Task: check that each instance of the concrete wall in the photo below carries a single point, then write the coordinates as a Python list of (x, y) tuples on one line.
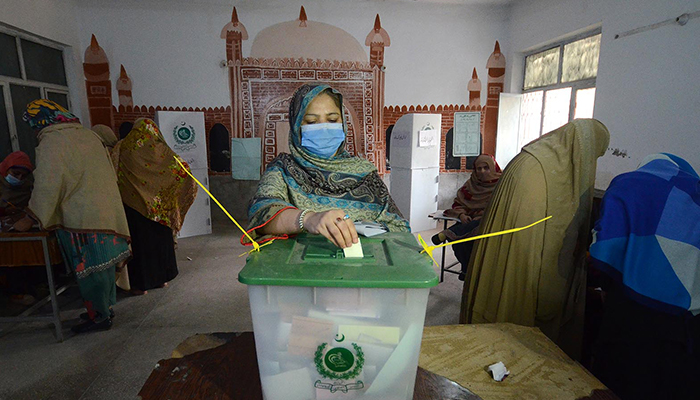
[(647, 87), (172, 50)]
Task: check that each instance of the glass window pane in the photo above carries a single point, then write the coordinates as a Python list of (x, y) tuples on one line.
[(584, 103), (530, 118), (542, 69), (43, 64), (59, 98), (556, 109), (581, 59), (5, 141), (21, 96), (9, 59)]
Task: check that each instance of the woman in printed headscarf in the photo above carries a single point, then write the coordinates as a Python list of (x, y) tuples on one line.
[(537, 277), (647, 241), (16, 181), (156, 193), (319, 187), (76, 194), (472, 198)]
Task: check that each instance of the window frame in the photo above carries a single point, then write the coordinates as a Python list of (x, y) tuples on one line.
[(44, 87), (574, 85)]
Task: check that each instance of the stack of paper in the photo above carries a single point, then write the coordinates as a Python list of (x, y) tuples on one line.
[(369, 229)]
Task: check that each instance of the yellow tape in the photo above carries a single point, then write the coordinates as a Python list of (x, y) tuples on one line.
[(256, 246), (429, 249)]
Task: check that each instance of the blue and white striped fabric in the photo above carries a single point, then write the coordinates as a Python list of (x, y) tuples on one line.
[(648, 235)]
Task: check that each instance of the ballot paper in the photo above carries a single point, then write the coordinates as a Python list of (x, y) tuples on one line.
[(371, 334), (369, 229), (291, 385), (307, 333), (499, 371), (354, 251), (396, 365)]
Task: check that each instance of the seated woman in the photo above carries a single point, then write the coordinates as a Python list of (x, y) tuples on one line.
[(76, 194), (16, 183), (647, 241), (538, 277), (157, 193), (319, 187), (472, 198)]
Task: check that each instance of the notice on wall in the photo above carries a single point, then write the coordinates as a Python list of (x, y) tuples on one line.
[(246, 158), (467, 134), (428, 138)]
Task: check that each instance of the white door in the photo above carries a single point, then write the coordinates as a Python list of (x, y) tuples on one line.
[(184, 132), (198, 219), (507, 143)]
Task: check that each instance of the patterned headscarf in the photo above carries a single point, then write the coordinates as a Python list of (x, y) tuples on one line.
[(42, 113), (150, 180), (305, 181)]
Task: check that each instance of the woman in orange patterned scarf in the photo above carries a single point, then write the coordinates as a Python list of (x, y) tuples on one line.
[(156, 193)]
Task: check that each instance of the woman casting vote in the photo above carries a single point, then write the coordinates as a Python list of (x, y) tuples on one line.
[(319, 187)]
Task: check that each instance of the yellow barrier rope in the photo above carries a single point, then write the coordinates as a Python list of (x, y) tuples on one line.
[(256, 246), (429, 249)]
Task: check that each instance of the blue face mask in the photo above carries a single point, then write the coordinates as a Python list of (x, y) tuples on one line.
[(323, 139), (12, 180)]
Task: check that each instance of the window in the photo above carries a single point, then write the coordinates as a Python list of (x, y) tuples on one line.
[(559, 86), (30, 68)]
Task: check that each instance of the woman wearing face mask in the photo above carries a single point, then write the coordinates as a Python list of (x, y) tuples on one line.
[(16, 187), (469, 205), (319, 187), (15, 191)]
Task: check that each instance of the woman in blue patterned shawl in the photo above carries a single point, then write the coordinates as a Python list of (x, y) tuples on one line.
[(319, 187), (647, 242)]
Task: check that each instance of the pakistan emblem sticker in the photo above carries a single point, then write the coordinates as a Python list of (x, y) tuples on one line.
[(339, 364), (184, 135)]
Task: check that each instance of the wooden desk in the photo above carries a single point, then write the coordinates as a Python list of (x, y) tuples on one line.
[(453, 361), (439, 216), (18, 249), (226, 367)]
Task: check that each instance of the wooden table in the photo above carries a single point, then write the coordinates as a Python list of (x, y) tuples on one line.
[(21, 249), (226, 368), (452, 365), (439, 215)]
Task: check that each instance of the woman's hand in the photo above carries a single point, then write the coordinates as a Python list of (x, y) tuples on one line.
[(23, 224), (465, 218), (334, 225)]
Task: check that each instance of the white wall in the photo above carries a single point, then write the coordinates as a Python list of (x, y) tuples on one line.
[(56, 21), (648, 89), (172, 50)]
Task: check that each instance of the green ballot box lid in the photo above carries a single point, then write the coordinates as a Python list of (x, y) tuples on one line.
[(391, 260)]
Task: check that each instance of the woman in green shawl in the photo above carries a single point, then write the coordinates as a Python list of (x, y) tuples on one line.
[(538, 277), (319, 187)]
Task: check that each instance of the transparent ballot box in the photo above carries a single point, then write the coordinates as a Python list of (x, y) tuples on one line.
[(331, 327)]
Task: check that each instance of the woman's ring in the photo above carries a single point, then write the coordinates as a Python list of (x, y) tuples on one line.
[(346, 216)]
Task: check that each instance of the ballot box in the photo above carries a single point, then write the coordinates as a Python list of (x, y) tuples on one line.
[(332, 327)]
